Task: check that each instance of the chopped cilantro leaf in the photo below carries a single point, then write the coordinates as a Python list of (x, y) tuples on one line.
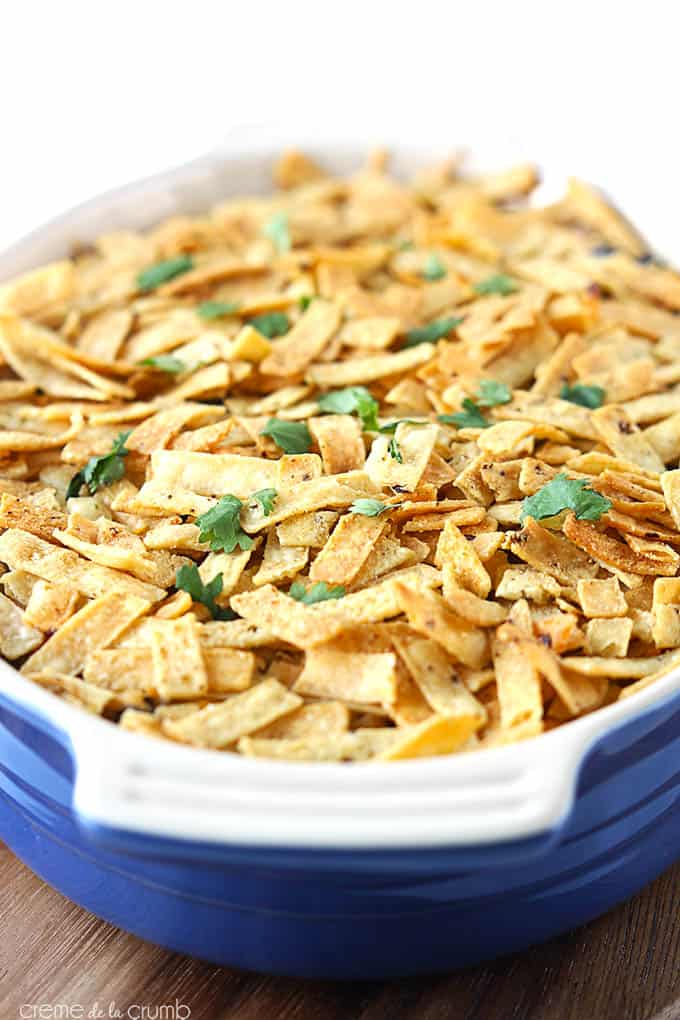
[(278, 233), (266, 498), (305, 301), (216, 309), (497, 284), (469, 418), (101, 471), (221, 526), (319, 592), (369, 507), (349, 400), (290, 436), (271, 324), (161, 272), (394, 451), (434, 268), (586, 396), (563, 493), (164, 363), (491, 393), (189, 580), (432, 332)]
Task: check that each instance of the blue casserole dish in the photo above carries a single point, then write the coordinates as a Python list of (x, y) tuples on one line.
[(321, 870)]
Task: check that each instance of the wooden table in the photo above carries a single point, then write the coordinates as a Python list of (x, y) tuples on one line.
[(626, 966)]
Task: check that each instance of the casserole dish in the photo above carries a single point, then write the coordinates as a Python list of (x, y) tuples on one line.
[(328, 871)]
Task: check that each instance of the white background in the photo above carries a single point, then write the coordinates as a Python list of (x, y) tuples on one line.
[(95, 94)]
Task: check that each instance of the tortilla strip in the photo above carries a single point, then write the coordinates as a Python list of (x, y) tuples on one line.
[(220, 725), (365, 370), (348, 676), (428, 614), (347, 549), (608, 550), (305, 341), (21, 550), (96, 625), (340, 442)]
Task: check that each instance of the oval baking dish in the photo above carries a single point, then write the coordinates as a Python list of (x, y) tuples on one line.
[(328, 870)]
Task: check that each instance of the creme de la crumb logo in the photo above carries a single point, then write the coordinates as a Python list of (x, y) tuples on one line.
[(104, 1011)]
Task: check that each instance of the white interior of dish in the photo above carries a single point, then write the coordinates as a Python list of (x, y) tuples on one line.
[(138, 784)]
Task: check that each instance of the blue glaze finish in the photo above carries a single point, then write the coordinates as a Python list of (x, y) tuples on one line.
[(353, 914)]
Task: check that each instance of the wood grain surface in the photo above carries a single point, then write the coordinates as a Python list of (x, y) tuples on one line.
[(625, 966)]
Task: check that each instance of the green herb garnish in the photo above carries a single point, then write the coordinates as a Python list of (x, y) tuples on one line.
[(319, 592), (266, 498), (497, 284), (221, 526), (352, 399), (161, 272), (432, 332), (271, 324), (563, 493), (101, 471), (164, 363), (369, 507), (305, 301), (469, 418), (278, 233), (394, 451), (216, 309), (189, 580), (434, 268), (587, 396), (290, 436), (491, 393)]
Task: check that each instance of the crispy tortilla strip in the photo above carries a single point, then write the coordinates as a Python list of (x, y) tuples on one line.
[(105, 334), (28, 442), (587, 205), (335, 492), (387, 554), (472, 608), (133, 668), (517, 679), (436, 678), (86, 696), (611, 552), (158, 568), (670, 482), (608, 637), (16, 512), (550, 554), (550, 375), (310, 529), (220, 725), (21, 550), (17, 636), (36, 290), (360, 745), (160, 429), (280, 562), (178, 668), (439, 735), (211, 474), (292, 353), (542, 410), (601, 598), (414, 444), (665, 438), (96, 625), (236, 634), (624, 438), (135, 721), (348, 676), (372, 333), (365, 370), (338, 437), (460, 565), (38, 355), (309, 626), (347, 549), (229, 565), (50, 605), (621, 669), (527, 583), (326, 719), (428, 614), (296, 468)]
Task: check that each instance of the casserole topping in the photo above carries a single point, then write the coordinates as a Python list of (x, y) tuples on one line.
[(358, 470)]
